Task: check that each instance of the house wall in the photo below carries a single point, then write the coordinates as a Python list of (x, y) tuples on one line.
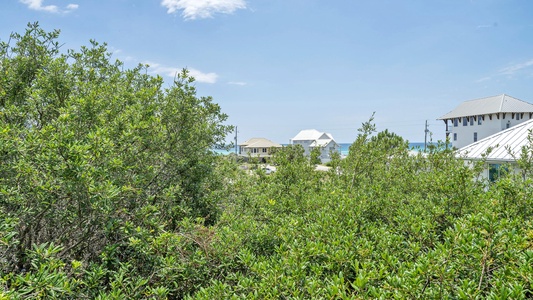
[(325, 151), (490, 124), (254, 152), (305, 144), (485, 174)]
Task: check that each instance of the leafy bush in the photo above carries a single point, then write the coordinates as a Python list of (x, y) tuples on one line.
[(109, 189), (91, 151)]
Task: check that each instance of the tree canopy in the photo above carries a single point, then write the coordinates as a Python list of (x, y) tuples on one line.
[(109, 190), (89, 147)]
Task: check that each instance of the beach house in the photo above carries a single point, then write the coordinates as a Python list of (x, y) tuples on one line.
[(310, 139), (505, 148), (257, 147), (476, 119)]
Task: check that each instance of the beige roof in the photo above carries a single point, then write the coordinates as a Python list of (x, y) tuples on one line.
[(503, 144), (490, 105), (259, 143)]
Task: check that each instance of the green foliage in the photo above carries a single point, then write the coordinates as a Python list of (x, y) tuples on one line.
[(524, 160), (292, 165), (386, 223), (108, 189), (90, 150), (46, 278), (314, 158)]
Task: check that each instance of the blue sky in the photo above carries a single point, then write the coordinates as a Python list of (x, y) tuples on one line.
[(279, 66)]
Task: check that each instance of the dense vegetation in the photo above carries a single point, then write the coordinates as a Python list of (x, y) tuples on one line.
[(108, 189)]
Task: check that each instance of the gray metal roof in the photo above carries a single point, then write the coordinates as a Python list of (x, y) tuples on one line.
[(490, 105), (504, 144)]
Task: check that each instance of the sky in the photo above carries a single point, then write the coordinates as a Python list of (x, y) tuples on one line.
[(280, 66)]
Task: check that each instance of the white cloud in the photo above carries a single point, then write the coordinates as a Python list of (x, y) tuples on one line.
[(237, 83), (114, 50), (199, 76), (201, 9), (38, 5), (203, 77), (482, 26), (484, 79), (122, 55), (72, 6), (511, 70)]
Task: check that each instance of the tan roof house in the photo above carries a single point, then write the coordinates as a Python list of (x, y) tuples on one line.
[(257, 147)]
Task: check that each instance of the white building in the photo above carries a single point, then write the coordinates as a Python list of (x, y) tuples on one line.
[(310, 139), (505, 147), (476, 119), (257, 147)]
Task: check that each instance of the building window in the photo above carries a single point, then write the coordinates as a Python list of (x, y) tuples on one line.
[(497, 171), (508, 124), (475, 136), (455, 136), (465, 121), (517, 116), (479, 120), (471, 121), (254, 150), (455, 122), (264, 150)]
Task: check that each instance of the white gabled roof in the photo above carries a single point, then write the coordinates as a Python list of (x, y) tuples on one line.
[(307, 135), (512, 139), (321, 143), (490, 105), (259, 143), (312, 135)]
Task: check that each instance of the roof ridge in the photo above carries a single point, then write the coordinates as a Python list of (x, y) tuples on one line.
[(482, 98), (501, 101)]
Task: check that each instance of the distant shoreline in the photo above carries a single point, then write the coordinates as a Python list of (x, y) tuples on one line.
[(419, 146)]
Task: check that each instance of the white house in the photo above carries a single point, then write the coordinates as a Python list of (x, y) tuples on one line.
[(257, 147), (476, 119), (310, 139), (506, 146)]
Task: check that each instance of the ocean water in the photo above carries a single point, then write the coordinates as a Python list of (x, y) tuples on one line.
[(344, 148), (414, 146)]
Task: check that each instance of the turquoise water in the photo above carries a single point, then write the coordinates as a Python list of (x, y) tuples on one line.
[(415, 146), (344, 148)]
